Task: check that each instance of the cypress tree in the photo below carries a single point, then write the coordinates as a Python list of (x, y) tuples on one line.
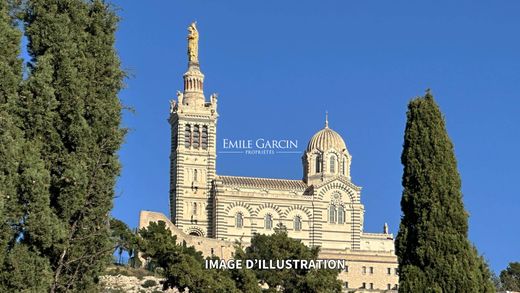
[(23, 177), (71, 114), (10, 135), (432, 245), (10, 78)]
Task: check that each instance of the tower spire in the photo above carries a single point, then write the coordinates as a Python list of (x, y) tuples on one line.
[(326, 119)]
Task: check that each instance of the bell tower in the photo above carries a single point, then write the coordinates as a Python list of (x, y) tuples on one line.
[(193, 149)]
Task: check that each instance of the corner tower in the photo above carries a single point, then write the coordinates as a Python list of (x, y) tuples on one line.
[(193, 149)]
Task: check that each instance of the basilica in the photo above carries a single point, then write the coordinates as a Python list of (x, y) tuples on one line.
[(324, 208)]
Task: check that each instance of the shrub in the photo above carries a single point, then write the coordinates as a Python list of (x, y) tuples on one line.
[(149, 283)]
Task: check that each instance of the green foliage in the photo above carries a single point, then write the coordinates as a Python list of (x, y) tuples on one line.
[(139, 273), (124, 239), (155, 243), (11, 140), (245, 279), (182, 266), (280, 246), (434, 252), (510, 277), (149, 283), (72, 103), (59, 136), (25, 271), (10, 64), (22, 173)]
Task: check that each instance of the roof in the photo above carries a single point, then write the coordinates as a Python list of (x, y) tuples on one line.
[(326, 139), (268, 183)]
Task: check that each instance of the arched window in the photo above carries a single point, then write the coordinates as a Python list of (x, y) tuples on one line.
[(239, 221), (318, 164), (187, 135), (268, 222), (341, 215), (297, 223), (332, 214), (332, 164), (343, 167), (195, 175), (194, 208), (196, 136), (204, 137)]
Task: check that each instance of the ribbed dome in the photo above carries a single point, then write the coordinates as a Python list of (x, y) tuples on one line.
[(326, 139)]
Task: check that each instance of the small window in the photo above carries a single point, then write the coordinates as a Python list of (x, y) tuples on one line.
[(332, 214), (371, 270), (364, 286), (268, 222), (341, 215), (239, 221), (364, 270), (195, 175), (388, 271), (343, 167), (396, 271), (318, 164), (194, 208), (297, 223), (346, 269), (332, 164), (346, 284), (187, 136), (388, 286), (371, 285)]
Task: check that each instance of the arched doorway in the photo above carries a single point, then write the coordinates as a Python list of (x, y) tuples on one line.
[(195, 231)]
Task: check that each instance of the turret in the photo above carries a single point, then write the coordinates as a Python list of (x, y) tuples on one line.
[(326, 156)]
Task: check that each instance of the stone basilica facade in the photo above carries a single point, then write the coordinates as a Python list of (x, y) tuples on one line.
[(211, 211)]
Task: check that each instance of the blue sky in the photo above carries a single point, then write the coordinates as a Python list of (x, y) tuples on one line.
[(279, 65)]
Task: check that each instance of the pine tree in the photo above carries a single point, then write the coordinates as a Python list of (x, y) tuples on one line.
[(123, 238), (432, 245), (510, 277), (71, 115)]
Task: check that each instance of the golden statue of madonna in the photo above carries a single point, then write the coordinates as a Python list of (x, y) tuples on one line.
[(193, 43)]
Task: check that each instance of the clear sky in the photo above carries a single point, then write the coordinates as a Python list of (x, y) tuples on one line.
[(279, 65)]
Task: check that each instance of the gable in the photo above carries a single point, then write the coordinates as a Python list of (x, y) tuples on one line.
[(335, 187)]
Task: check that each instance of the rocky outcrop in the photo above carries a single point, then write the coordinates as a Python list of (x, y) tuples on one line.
[(121, 283)]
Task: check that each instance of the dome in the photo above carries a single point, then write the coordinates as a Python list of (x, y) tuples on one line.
[(326, 139)]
